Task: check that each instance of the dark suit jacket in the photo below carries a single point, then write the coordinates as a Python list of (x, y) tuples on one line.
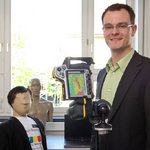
[(14, 137), (130, 114)]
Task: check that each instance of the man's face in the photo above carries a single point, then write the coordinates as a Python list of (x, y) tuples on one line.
[(21, 104), (119, 30), (35, 87)]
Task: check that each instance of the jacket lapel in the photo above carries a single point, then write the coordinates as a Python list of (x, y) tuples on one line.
[(100, 80), (125, 82), (20, 127)]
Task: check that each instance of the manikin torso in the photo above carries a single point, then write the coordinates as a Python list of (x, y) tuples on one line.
[(40, 108)]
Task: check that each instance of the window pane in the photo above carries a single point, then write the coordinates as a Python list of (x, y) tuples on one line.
[(43, 33), (101, 50)]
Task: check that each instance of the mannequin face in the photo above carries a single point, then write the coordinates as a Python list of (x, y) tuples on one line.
[(21, 104), (35, 87)]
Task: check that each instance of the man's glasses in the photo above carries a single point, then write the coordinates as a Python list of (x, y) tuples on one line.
[(119, 27)]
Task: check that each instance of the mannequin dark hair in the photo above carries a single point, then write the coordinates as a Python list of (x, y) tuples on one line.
[(13, 92)]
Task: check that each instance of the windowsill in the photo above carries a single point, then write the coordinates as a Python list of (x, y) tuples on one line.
[(61, 109), (57, 126)]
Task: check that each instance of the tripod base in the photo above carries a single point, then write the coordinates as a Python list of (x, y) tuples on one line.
[(103, 129)]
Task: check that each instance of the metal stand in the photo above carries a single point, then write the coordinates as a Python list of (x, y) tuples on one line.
[(103, 130)]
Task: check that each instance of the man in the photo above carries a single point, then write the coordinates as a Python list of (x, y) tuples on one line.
[(125, 83), (40, 108), (21, 132)]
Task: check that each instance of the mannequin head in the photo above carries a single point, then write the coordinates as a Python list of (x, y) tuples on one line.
[(19, 99), (35, 86)]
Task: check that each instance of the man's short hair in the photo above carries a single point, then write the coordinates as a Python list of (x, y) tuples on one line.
[(118, 7)]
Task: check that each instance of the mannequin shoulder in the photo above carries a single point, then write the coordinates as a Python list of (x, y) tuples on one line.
[(44, 101)]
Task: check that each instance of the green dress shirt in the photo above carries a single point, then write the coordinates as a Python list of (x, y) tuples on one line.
[(113, 77)]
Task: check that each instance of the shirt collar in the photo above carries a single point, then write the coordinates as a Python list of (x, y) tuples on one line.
[(122, 64)]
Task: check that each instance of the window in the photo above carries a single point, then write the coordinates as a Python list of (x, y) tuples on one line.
[(44, 32)]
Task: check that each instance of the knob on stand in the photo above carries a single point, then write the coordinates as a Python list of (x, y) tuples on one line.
[(101, 111)]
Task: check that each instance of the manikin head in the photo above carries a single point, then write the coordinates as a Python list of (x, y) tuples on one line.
[(19, 99), (35, 86)]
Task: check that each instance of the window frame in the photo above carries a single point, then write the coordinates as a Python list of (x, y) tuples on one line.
[(87, 42)]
